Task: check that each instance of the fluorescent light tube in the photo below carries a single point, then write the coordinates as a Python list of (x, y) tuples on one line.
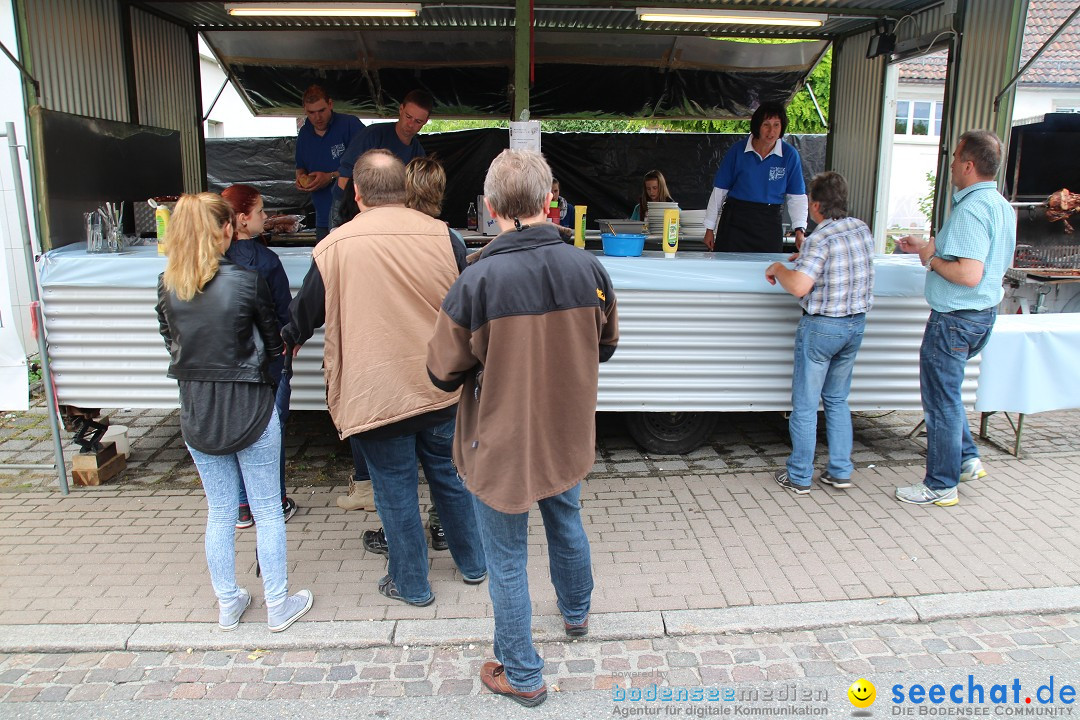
[(732, 17), (307, 9)]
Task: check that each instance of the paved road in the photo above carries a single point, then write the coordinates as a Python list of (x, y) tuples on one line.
[(593, 678)]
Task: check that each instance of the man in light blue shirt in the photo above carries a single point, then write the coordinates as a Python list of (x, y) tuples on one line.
[(966, 263)]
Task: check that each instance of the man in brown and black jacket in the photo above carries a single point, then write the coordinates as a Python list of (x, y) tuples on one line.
[(522, 332)]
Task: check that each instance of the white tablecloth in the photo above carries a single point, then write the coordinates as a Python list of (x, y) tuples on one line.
[(1031, 364)]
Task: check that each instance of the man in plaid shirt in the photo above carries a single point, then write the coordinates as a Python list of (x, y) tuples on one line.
[(833, 279)]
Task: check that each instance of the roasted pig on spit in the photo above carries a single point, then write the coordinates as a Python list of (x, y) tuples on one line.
[(1061, 205)]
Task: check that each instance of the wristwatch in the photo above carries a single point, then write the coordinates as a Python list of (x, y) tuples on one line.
[(930, 263)]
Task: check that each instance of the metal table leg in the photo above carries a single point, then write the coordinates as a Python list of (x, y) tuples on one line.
[(1017, 428)]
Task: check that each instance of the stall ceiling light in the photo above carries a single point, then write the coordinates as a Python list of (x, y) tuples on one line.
[(310, 9), (731, 17)]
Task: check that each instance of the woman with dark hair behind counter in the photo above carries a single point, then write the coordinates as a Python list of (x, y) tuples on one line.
[(653, 189), (754, 178)]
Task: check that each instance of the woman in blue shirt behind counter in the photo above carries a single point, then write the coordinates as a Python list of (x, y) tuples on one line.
[(754, 178)]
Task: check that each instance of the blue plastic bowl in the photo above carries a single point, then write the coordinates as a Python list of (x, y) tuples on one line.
[(623, 244)]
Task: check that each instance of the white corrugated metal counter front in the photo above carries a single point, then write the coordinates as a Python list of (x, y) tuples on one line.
[(701, 331)]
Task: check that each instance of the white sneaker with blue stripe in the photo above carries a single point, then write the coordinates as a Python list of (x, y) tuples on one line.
[(972, 470)]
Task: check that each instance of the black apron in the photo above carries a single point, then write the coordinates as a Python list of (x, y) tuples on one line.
[(749, 227)]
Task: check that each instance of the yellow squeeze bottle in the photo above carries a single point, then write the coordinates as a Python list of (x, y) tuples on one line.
[(671, 232), (579, 225), (161, 223)]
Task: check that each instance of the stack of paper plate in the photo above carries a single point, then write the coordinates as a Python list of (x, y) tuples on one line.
[(692, 224), (656, 216)]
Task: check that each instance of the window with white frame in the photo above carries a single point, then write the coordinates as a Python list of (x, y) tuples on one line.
[(918, 117)]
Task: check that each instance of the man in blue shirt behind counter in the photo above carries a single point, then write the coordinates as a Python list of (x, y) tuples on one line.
[(319, 146), (399, 138), (966, 263)]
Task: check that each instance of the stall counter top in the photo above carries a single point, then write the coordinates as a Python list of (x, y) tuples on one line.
[(688, 271)]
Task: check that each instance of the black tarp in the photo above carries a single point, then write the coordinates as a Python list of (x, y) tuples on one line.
[(601, 170), (470, 72)]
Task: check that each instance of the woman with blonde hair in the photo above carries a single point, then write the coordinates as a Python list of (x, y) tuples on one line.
[(653, 189), (218, 322)]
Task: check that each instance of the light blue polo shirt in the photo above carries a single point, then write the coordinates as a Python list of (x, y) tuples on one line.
[(767, 180), (982, 226)]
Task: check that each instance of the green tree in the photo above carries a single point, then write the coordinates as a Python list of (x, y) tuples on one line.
[(926, 202)]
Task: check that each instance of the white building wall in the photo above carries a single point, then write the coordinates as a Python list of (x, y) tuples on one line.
[(230, 117), (1032, 102), (14, 281), (915, 156)]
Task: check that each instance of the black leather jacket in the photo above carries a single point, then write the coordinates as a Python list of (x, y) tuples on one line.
[(226, 333)]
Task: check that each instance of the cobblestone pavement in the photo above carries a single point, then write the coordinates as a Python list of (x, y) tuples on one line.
[(129, 554), (742, 441), (830, 657)]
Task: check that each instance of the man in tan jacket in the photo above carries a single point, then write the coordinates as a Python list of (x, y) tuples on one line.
[(524, 330), (377, 283)]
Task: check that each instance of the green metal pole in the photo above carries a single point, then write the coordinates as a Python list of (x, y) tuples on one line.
[(522, 57)]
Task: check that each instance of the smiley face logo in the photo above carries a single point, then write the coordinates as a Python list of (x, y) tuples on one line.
[(862, 693)]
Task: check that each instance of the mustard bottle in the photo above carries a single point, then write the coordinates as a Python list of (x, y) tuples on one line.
[(671, 232), (161, 223), (579, 225)]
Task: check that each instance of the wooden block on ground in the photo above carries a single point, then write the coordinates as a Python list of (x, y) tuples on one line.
[(98, 468)]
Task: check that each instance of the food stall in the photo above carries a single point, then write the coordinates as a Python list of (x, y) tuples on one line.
[(701, 334)]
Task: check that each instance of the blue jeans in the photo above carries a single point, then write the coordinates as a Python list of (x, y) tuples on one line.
[(256, 468), (825, 349), (949, 341), (506, 546), (394, 481), (281, 405)]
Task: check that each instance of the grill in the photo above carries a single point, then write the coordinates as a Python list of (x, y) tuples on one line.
[(1041, 162)]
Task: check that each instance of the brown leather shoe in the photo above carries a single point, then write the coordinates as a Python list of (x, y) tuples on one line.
[(579, 630), (493, 676)]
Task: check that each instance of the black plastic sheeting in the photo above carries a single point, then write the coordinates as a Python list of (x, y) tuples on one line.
[(470, 72), (560, 91), (600, 170)]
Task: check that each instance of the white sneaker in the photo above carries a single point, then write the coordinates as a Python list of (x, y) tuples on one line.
[(288, 612), (229, 617), (972, 470), (922, 495)]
